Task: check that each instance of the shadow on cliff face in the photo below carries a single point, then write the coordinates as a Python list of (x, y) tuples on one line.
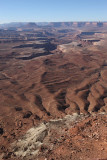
[(48, 47), (35, 55)]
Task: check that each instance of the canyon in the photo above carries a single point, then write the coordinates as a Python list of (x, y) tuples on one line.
[(53, 91)]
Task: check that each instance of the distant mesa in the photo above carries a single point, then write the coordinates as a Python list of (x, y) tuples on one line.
[(33, 25), (100, 24), (81, 24)]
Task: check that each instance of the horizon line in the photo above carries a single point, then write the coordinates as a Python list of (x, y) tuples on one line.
[(48, 21)]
